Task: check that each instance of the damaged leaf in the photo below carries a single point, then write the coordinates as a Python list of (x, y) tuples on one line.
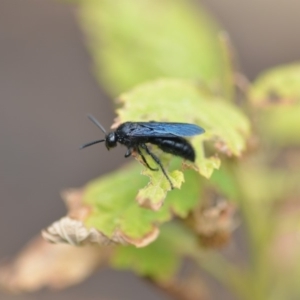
[(154, 194), (175, 100), (115, 210), (114, 214)]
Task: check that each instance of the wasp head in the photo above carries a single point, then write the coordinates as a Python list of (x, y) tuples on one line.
[(111, 140)]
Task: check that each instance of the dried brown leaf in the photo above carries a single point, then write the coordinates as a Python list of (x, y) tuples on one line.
[(189, 288), (41, 264), (73, 232), (214, 224)]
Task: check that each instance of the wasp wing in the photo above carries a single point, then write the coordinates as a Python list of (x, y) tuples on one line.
[(165, 130)]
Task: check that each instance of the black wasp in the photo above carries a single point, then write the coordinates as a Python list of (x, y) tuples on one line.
[(166, 136)]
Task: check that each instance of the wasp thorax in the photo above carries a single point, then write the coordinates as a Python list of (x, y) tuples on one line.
[(111, 140)]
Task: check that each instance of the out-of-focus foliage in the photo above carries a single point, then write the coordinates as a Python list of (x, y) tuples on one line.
[(136, 41), (164, 253), (55, 266), (276, 95), (152, 229), (277, 86)]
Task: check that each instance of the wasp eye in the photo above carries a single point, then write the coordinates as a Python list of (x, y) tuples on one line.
[(111, 140)]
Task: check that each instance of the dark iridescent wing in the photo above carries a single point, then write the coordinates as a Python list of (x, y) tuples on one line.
[(159, 129)]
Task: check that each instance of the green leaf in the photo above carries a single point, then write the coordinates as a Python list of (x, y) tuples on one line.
[(277, 92), (135, 41), (160, 260), (115, 212), (175, 100)]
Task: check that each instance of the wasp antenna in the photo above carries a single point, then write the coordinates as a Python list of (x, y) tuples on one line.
[(91, 143), (95, 121)]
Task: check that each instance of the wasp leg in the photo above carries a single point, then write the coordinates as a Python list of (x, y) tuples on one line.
[(157, 160), (128, 152), (145, 161)]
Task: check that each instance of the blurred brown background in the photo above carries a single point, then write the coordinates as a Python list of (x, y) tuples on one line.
[(46, 90)]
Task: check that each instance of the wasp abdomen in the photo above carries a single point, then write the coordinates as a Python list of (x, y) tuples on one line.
[(176, 146)]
